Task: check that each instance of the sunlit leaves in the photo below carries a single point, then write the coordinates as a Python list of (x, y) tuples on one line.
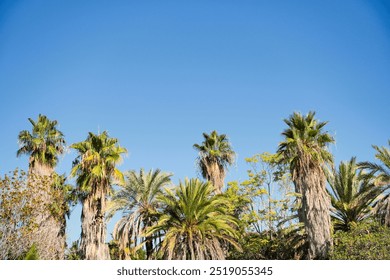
[(195, 222), (44, 144)]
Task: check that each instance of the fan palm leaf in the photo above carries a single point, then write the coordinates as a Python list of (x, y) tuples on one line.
[(215, 156)]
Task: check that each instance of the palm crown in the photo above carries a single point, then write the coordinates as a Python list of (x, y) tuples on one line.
[(215, 155), (305, 143), (382, 171), (195, 222), (98, 155), (44, 144), (382, 179), (352, 194), (137, 200)]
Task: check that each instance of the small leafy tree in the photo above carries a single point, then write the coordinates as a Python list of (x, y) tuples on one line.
[(270, 185), (265, 206), (21, 209)]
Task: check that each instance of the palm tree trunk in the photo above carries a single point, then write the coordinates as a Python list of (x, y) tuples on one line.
[(93, 229), (216, 175), (148, 241), (315, 213), (50, 234)]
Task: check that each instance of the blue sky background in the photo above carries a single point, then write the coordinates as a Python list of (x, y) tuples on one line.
[(156, 74)]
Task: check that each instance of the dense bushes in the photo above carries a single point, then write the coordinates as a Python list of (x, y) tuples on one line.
[(365, 241)]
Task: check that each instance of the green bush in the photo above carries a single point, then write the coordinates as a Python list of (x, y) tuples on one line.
[(31, 254), (285, 244), (364, 241)]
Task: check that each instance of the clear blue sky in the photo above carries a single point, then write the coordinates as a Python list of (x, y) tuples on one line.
[(156, 74)]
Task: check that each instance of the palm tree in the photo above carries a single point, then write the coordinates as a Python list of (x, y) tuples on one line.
[(305, 150), (382, 171), (195, 222), (44, 144), (382, 178), (137, 200), (215, 155), (95, 171), (352, 195)]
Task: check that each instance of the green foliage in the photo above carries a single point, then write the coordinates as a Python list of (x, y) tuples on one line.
[(114, 250), (17, 215), (195, 222), (364, 241), (215, 147), (305, 143), (240, 206), (253, 219), (284, 244), (116, 253), (215, 156), (381, 173), (138, 203), (21, 203), (32, 253), (63, 198), (95, 165), (44, 144), (252, 245), (352, 193), (265, 200), (73, 253)]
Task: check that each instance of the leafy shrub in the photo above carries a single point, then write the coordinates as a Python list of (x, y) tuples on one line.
[(285, 244), (364, 241), (32, 253)]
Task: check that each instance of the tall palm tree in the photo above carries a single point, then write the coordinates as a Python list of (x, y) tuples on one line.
[(305, 150), (195, 222), (382, 178), (215, 155), (44, 144), (137, 200), (95, 171), (352, 194)]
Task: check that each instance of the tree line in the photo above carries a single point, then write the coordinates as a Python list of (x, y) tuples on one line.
[(295, 203)]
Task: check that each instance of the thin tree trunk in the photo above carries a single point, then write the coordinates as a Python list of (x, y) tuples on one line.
[(315, 213), (93, 229), (270, 226)]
